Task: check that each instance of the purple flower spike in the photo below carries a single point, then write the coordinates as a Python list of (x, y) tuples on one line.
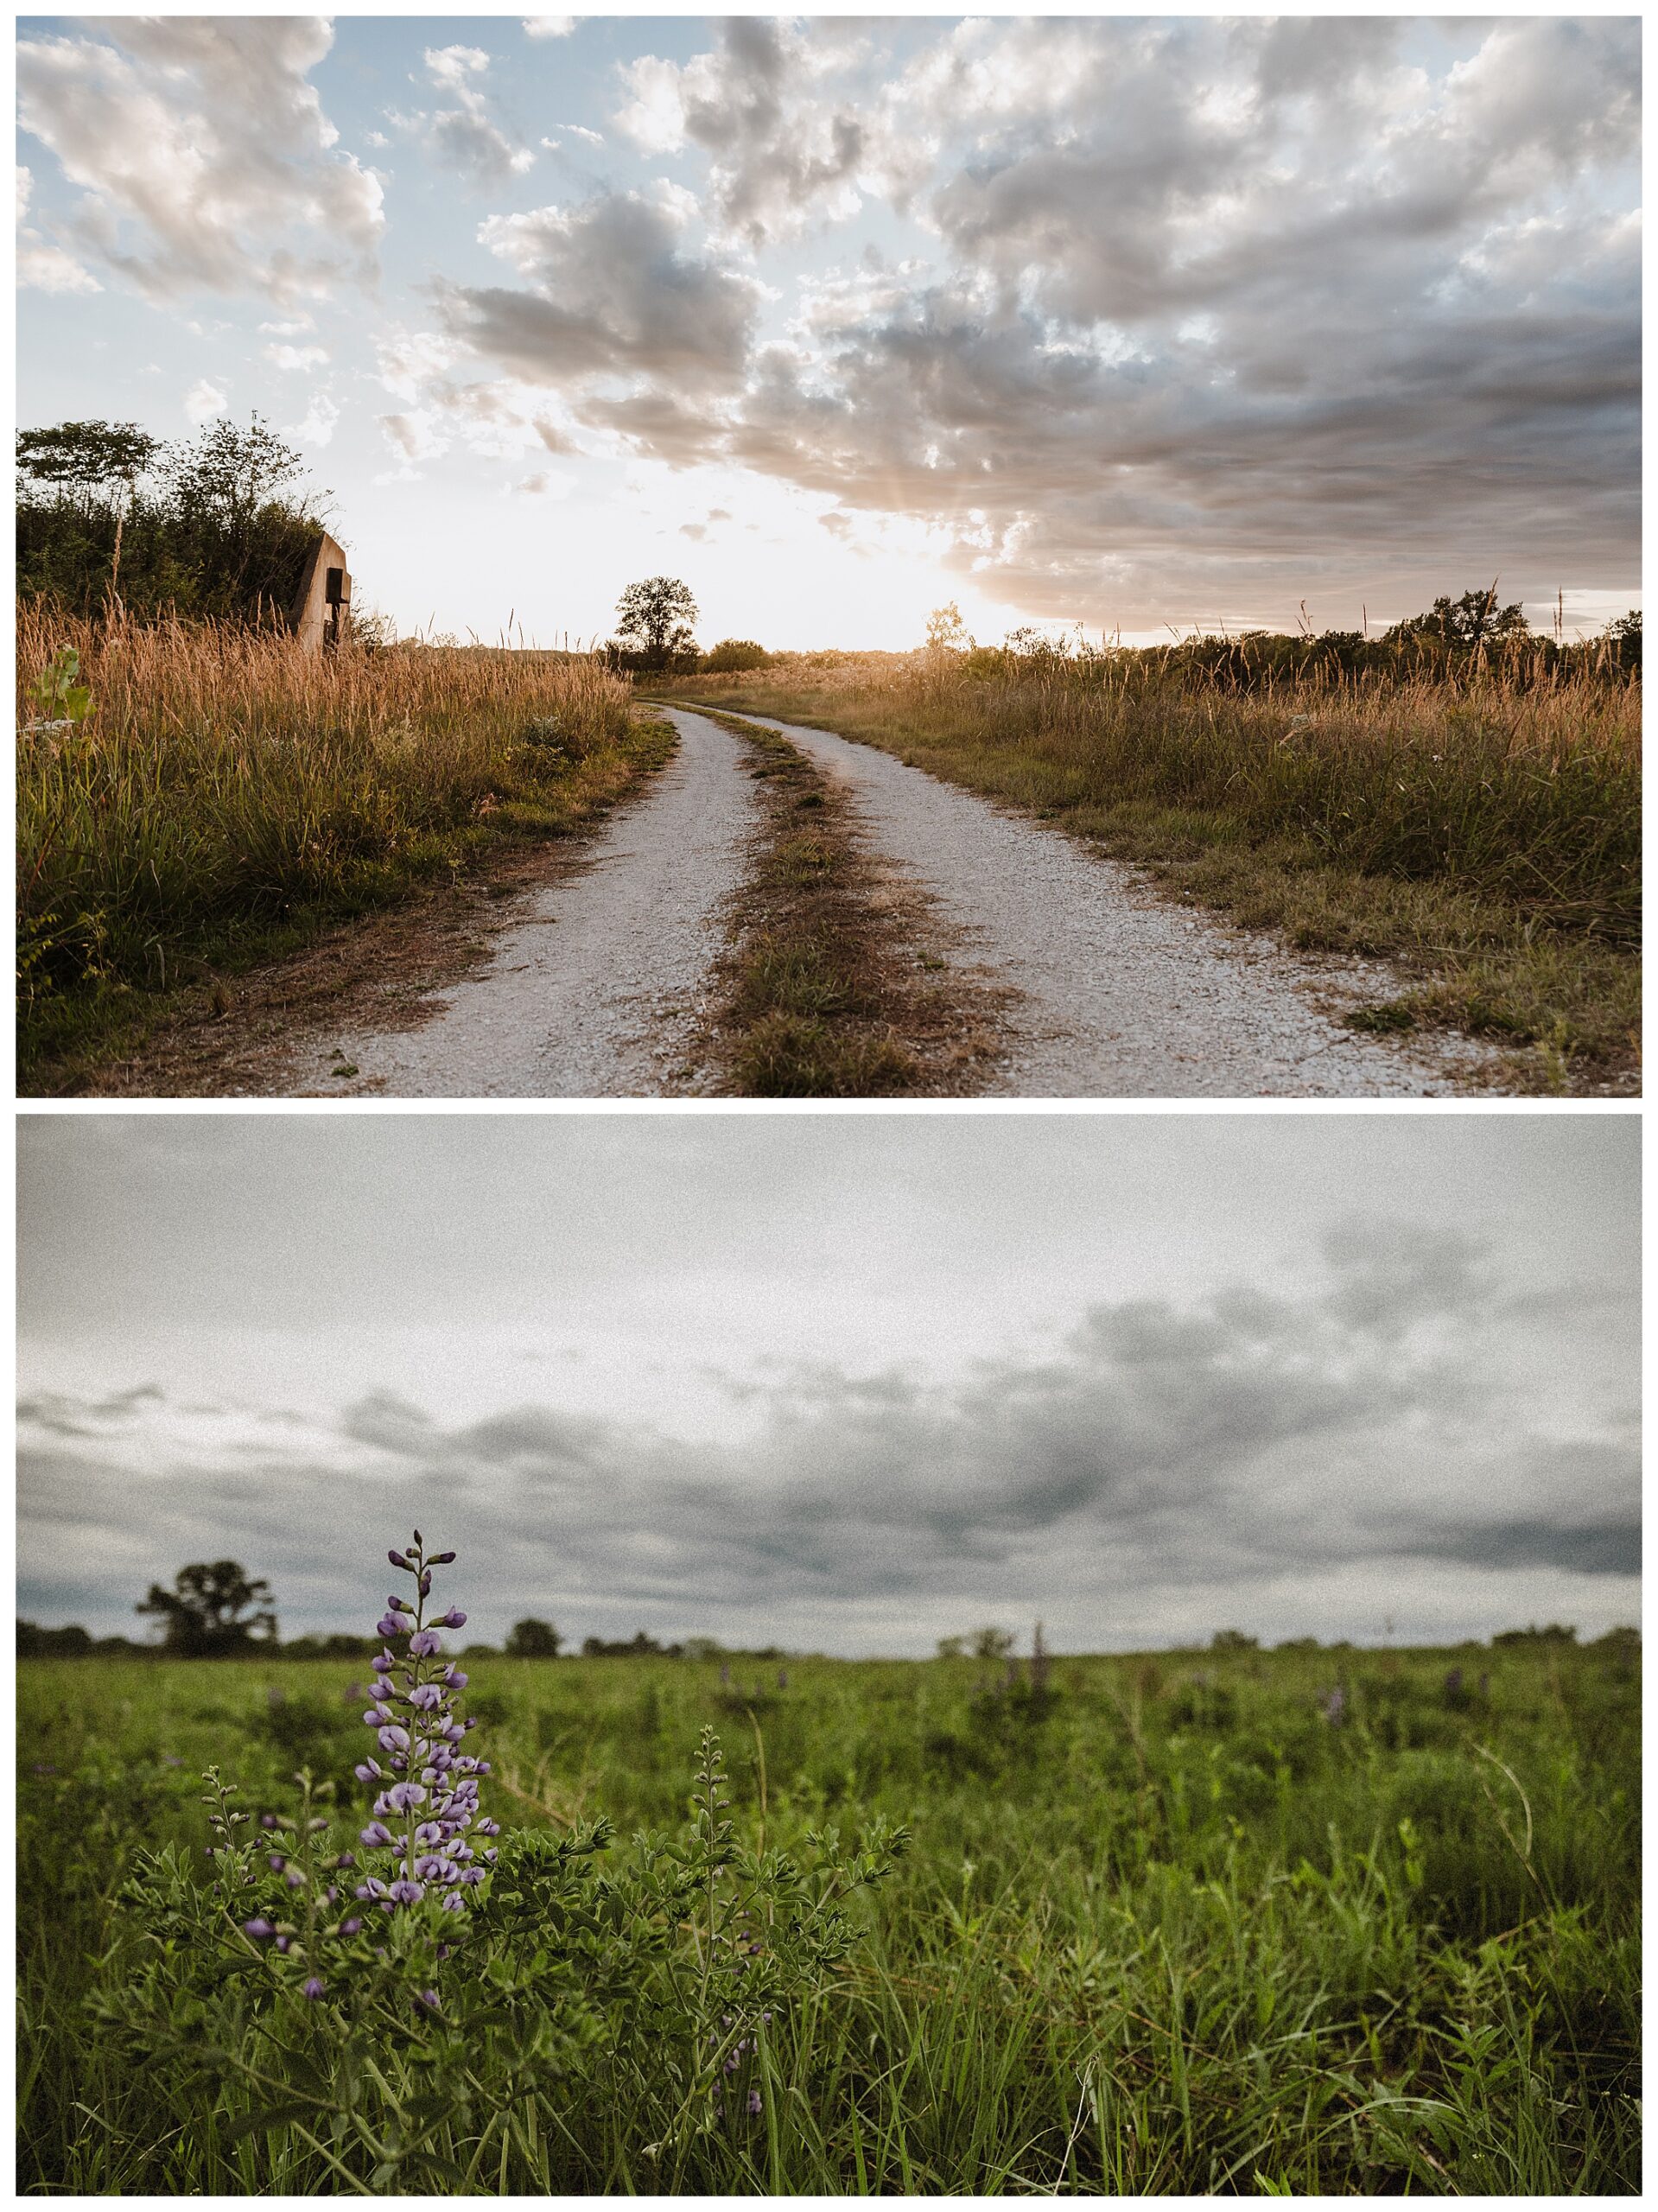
[(260, 1930), (313, 1988)]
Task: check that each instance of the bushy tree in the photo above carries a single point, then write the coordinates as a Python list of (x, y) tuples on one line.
[(1463, 624), (532, 1639), (655, 619), (208, 1611), (731, 655)]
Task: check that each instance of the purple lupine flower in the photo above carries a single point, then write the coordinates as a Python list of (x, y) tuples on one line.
[(427, 1695), (429, 1832), (383, 1662), (388, 1624), (397, 1560), (313, 1987), (403, 1797), (441, 1559), (424, 1644), (397, 1605), (453, 1900), (428, 1998), (376, 1834), (394, 1738), (405, 1892), (452, 1676), (454, 1618), (754, 2107), (261, 1930), (367, 1770), (350, 1927)]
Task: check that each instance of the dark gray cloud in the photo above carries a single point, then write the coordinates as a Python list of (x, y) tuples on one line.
[(611, 290), (1162, 1454)]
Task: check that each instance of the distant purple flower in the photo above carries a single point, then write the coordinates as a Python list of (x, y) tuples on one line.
[(350, 1927), (428, 1998), (754, 2104), (313, 1987), (261, 1930), (268, 1821)]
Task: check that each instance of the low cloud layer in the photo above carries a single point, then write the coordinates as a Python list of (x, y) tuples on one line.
[(1290, 1462)]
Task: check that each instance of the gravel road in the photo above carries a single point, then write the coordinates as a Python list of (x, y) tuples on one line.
[(594, 989), (1123, 993)]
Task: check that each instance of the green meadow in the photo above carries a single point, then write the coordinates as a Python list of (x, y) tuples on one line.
[(1342, 1921)]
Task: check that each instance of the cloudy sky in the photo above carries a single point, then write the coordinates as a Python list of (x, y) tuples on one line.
[(1117, 321), (848, 1383)]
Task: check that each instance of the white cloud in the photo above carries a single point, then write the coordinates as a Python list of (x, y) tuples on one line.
[(415, 435), (203, 401), (317, 426), (203, 155), (466, 138), (42, 267), (296, 357), (549, 26)]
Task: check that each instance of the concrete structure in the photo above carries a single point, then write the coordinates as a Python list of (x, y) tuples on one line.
[(322, 607)]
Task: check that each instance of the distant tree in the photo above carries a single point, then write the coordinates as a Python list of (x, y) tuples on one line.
[(732, 654), (1624, 637), (946, 631), (638, 1647), (534, 1640), (1552, 1634), (991, 1642), (655, 618), (952, 1647), (35, 1643), (1465, 623), (206, 1612), (1233, 1639)]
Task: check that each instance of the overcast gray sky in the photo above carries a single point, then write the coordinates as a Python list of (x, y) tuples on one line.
[(846, 1382), (1098, 320)]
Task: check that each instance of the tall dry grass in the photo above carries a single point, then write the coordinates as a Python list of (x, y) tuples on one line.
[(1496, 779), (226, 779)]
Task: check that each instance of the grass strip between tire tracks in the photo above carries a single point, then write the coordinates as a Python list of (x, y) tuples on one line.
[(835, 988)]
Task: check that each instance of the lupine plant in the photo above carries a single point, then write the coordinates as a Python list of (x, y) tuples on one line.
[(420, 2011)]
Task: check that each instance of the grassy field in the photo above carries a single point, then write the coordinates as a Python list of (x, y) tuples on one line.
[(1183, 1923), (228, 796), (1478, 825)]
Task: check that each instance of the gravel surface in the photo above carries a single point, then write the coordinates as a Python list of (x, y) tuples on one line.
[(596, 989), (1123, 993)]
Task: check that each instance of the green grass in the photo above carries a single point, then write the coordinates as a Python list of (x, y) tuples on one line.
[(1164, 1929), (1484, 835)]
